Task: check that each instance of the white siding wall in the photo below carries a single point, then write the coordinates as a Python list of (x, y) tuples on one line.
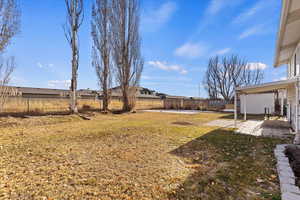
[(293, 71), (256, 103), (292, 106)]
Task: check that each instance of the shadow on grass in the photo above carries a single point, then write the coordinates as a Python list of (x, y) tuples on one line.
[(37, 113), (241, 117), (118, 112), (228, 166)]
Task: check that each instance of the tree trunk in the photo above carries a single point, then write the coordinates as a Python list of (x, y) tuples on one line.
[(126, 101), (74, 21), (105, 99), (74, 108)]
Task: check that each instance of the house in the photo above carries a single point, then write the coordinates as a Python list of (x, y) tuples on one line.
[(30, 92), (287, 54), (142, 93)]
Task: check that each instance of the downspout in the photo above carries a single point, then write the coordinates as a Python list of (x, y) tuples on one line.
[(245, 107), (297, 138), (235, 109)]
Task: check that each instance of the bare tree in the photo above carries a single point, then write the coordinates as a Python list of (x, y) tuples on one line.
[(126, 48), (74, 21), (7, 67), (9, 27), (101, 55), (225, 74), (9, 22)]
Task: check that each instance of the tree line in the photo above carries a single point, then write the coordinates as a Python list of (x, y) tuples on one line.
[(116, 51)]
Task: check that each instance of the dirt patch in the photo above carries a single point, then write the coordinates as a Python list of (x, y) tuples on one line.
[(293, 153), (183, 123)]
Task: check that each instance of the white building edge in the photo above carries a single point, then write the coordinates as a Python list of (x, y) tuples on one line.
[(258, 104), (287, 53)]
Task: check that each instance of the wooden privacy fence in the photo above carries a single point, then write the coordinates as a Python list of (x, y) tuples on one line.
[(33, 105), (141, 103), (45, 105), (39, 105), (194, 104)]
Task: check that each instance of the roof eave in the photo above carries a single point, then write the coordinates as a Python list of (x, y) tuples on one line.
[(280, 34), (277, 85)]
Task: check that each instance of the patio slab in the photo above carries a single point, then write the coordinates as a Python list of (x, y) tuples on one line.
[(189, 112), (274, 128), (222, 123)]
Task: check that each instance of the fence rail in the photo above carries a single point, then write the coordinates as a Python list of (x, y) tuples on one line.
[(61, 104)]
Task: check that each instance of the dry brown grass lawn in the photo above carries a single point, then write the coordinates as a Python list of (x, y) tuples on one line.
[(133, 156)]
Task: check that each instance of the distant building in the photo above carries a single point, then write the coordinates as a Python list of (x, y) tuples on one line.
[(142, 92), (30, 92)]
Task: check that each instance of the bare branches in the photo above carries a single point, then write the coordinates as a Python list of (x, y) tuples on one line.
[(74, 21), (6, 69), (75, 18), (126, 48), (9, 22), (101, 52), (9, 27), (224, 75)]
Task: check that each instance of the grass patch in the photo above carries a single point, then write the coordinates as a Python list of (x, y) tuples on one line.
[(133, 156)]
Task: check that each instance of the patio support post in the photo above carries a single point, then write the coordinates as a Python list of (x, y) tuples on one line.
[(282, 102), (297, 104), (235, 109), (245, 107), (297, 138)]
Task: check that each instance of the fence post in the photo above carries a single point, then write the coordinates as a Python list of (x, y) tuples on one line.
[(182, 104), (28, 105)]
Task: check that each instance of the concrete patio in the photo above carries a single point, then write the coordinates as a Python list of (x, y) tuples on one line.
[(268, 128)]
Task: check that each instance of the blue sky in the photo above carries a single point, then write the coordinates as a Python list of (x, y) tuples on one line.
[(178, 36)]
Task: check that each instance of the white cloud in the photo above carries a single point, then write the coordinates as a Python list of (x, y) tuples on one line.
[(59, 84), (258, 65), (257, 29), (215, 6), (250, 12), (280, 79), (223, 51), (45, 66), (166, 67), (155, 18), (40, 65), (191, 50)]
